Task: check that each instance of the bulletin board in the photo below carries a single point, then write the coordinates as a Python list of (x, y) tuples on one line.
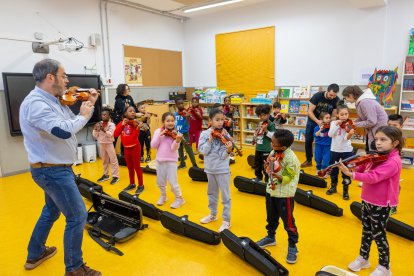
[(159, 67), (245, 61)]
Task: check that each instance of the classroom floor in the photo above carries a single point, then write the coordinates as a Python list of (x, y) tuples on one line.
[(323, 239)]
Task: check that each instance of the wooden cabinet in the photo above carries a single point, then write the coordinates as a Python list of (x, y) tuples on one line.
[(159, 109)]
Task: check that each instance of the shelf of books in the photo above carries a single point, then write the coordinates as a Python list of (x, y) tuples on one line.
[(407, 110), (295, 102), (206, 107)]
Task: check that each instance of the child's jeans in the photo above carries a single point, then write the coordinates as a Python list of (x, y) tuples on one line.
[(322, 156)]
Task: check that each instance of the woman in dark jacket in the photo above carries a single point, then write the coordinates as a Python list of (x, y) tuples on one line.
[(122, 100)]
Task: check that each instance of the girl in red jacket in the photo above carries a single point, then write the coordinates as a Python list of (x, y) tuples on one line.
[(128, 128)]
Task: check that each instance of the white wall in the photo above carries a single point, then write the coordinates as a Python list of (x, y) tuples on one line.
[(317, 42), (77, 18)]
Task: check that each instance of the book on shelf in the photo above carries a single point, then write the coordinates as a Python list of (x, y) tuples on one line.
[(285, 92), (296, 92), (272, 94), (284, 106), (301, 121), (294, 106), (303, 107), (409, 142), (291, 120), (408, 85), (304, 92), (409, 67), (408, 123), (314, 90), (302, 135)]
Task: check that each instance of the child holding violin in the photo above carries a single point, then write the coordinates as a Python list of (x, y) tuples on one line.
[(166, 158), (322, 142), (379, 194), (104, 134), (341, 148), (284, 169), (128, 129), (144, 131), (217, 167), (196, 122), (262, 139), (276, 117), (182, 125)]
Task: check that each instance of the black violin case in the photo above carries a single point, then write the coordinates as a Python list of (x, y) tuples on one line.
[(311, 180), (247, 185), (250, 252), (149, 210), (86, 187), (114, 220), (394, 226), (184, 227), (307, 198), (147, 169), (250, 160), (121, 160), (197, 174)]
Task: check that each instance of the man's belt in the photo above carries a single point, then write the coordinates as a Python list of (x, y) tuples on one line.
[(47, 165)]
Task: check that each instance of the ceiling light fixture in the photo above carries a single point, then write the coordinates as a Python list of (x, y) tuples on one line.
[(213, 5)]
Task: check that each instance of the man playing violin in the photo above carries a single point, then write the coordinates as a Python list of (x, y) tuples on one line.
[(49, 130)]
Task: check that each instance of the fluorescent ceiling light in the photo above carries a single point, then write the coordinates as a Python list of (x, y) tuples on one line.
[(212, 5)]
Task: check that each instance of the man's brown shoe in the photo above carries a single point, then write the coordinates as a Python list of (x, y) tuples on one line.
[(49, 252), (84, 270), (306, 164)]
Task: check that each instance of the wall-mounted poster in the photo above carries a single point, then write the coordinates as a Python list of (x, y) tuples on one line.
[(133, 71)]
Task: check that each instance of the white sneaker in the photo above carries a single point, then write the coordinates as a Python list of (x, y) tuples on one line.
[(208, 219), (358, 264), (161, 201), (316, 174), (224, 225), (178, 202), (381, 271)]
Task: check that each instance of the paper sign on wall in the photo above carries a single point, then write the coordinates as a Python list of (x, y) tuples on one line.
[(133, 71)]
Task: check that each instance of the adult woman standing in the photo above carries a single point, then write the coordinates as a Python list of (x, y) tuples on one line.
[(122, 100), (371, 115)]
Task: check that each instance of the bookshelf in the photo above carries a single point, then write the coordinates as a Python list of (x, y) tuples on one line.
[(407, 109)]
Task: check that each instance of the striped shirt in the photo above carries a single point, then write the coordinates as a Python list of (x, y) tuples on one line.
[(40, 114)]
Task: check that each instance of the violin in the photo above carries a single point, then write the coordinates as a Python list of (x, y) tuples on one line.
[(357, 160), (143, 118), (325, 126), (279, 115), (259, 131), (183, 112), (224, 137), (348, 125), (227, 122), (274, 165), (74, 94), (173, 134)]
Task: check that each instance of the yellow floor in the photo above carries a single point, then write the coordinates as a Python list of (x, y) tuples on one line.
[(323, 239)]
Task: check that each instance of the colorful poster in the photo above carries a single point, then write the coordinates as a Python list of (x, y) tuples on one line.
[(133, 71)]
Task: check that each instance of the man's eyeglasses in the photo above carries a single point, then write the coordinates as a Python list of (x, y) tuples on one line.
[(63, 76)]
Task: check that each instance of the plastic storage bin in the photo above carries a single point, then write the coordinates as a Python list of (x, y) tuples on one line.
[(89, 152)]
